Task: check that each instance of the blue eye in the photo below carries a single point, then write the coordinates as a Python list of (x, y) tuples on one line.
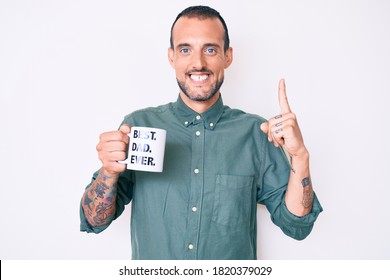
[(210, 51), (184, 50)]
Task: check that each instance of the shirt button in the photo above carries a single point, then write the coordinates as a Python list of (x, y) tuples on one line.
[(198, 117), (190, 246), (197, 133), (211, 124), (194, 209), (196, 170), (185, 123)]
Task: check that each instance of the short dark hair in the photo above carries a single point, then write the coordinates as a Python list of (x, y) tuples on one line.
[(202, 12)]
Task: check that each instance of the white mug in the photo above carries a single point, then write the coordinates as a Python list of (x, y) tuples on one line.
[(146, 149)]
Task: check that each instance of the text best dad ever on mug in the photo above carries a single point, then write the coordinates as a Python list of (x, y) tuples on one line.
[(146, 149)]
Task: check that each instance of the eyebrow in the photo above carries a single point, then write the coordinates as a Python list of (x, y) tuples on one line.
[(212, 45), (205, 45), (183, 45)]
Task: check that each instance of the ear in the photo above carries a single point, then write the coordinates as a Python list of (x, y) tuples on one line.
[(228, 57), (171, 56)]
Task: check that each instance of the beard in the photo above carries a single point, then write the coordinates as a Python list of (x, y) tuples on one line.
[(201, 96)]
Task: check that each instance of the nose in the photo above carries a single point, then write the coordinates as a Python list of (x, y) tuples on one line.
[(199, 61)]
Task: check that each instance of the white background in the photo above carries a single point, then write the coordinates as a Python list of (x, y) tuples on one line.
[(70, 70)]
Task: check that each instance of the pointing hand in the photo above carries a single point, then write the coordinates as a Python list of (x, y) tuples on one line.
[(283, 129)]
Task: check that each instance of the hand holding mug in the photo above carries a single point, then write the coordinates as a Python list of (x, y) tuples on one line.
[(112, 149)]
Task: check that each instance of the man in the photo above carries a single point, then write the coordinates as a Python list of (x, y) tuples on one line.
[(219, 162)]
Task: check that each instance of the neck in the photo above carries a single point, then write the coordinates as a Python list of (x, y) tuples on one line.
[(199, 106)]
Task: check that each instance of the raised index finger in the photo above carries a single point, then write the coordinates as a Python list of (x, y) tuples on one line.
[(283, 102)]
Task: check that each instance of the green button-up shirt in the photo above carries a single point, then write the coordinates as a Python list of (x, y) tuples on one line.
[(218, 165)]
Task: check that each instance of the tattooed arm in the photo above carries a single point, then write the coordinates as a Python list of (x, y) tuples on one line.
[(283, 130), (98, 201), (300, 195)]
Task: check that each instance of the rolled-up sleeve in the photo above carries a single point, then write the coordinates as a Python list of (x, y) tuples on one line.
[(123, 197), (297, 227), (272, 185)]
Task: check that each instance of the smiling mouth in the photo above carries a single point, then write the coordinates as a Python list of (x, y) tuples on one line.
[(199, 78)]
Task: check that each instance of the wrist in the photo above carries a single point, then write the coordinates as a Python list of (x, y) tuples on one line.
[(303, 155), (109, 175), (300, 162)]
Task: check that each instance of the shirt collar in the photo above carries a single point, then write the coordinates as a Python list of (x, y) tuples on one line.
[(188, 117)]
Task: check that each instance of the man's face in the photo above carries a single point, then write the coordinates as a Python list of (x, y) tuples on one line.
[(198, 57)]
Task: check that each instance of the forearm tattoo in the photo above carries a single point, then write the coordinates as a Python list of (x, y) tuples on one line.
[(291, 165), (308, 194), (306, 182), (99, 201)]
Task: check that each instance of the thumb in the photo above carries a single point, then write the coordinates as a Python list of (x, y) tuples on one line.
[(264, 127), (125, 128)]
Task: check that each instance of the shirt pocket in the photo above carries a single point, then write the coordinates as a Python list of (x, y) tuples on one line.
[(232, 200)]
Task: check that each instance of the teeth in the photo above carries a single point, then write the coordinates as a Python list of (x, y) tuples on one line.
[(199, 78)]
